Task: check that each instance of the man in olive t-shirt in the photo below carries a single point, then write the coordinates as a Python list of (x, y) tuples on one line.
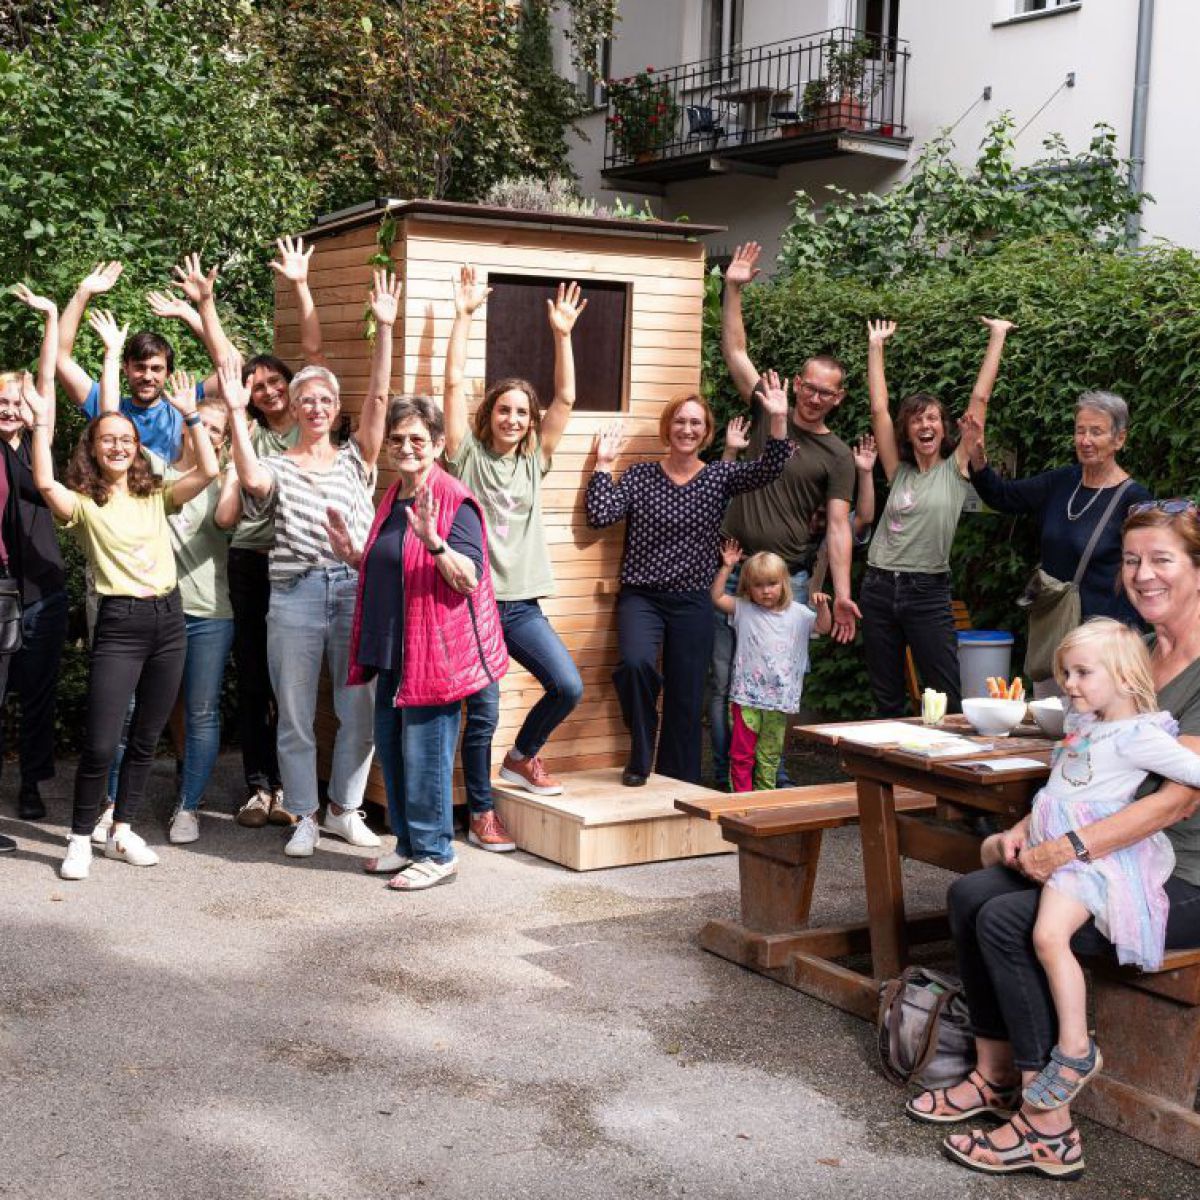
[(778, 517)]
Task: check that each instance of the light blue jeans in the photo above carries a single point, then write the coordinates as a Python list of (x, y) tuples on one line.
[(208, 643), (724, 645), (416, 752), (309, 621)]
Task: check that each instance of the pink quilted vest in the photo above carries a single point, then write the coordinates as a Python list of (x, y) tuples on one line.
[(453, 645)]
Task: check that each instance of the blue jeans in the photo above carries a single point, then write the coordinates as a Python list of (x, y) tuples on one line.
[(722, 669), (310, 621), (416, 753), (208, 643), (33, 675), (533, 643)]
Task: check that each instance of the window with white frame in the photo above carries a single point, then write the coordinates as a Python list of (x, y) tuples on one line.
[(1021, 7), (592, 87), (721, 35)]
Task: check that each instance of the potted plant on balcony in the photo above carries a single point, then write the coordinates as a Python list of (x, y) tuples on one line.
[(838, 98), (643, 115)]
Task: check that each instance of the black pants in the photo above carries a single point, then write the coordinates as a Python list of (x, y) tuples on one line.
[(138, 650), (33, 676), (992, 913), (250, 595), (908, 609), (679, 624)]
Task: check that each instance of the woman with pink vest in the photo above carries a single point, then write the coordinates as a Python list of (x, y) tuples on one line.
[(426, 628)]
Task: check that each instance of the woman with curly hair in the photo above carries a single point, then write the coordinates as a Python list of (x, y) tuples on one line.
[(118, 508)]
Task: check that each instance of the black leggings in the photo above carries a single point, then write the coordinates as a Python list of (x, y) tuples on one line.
[(250, 595), (991, 919), (138, 649)]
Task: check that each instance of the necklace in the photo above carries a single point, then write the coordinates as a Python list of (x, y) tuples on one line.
[(1074, 516)]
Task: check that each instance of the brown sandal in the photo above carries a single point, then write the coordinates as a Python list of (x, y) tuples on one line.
[(1055, 1155), (1001, 1103)]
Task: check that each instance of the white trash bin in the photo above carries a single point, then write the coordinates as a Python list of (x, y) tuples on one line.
[(982, 653)]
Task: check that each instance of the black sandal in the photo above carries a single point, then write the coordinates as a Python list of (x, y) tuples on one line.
[(1003, 1106)]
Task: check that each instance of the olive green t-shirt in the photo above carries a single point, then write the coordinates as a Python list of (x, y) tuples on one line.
[(919, 520), (127, 543), (1181, 698), (778, 517), (509, 489), (258, 533), (201, 553)]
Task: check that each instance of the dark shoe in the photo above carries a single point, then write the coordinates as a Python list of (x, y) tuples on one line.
[(630, 778), (253, 813), (30, 806), (7, 845)]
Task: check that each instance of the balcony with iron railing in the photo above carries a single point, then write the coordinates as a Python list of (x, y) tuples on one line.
[(837, 92)]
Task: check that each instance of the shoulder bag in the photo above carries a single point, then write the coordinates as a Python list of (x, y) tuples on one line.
[(924, 1029)]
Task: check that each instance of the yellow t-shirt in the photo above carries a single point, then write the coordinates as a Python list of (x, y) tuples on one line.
[(127, 542)]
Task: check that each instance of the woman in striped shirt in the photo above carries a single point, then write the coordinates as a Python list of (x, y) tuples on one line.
[(312, 592)]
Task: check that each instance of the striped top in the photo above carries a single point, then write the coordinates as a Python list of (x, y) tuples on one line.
[(298, 500)]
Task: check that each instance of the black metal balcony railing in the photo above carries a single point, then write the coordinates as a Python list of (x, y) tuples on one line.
[(840, 79)]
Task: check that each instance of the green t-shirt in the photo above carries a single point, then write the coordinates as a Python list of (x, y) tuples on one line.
[(919, 520), (509, 489), (127, 543), (1181, 698), (778, 517), (201, 553), (258, 533)]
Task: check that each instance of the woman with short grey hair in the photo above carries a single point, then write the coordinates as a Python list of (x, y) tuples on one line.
[(1071, 502)]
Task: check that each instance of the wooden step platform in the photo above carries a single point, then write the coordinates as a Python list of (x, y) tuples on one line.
[(598, 823)]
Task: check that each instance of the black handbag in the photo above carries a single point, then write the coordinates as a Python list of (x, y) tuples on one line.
[(11, 629)]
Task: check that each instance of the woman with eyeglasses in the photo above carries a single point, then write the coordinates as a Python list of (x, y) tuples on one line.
[(427, 630), (673, 510), (1070, 503), (312, 590), (992, 911), (905, 597), (118, 509)]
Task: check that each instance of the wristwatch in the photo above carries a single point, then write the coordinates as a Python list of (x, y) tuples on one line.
[(1081, 851), (440, 550)]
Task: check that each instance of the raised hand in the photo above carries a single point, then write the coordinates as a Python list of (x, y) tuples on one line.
[(731, 552), (998, 324), (292, 263), (423, 516), (384, 299), (35, 408), (102, 278), (878, 332), (737, 434), (609, 443), (340, 541), (970, 431), (32, 300), (169, 308), (181, 393), (105, 327), (865, 453), (193, 282), (233, 388), (743, 267), (773, 394), (469, 295), (564, 310)]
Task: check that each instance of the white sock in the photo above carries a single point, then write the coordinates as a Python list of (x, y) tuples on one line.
[(516, 755)]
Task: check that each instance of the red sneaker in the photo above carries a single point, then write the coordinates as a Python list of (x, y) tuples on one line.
[(528, 773), (487, 832)]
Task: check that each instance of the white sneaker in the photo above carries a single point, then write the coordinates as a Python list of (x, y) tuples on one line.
[(103, 827), (185, 828), (306, 837), (350, 826), (127, 846), (78, 861)]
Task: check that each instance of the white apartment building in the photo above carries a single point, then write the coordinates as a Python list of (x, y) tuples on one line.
[(737, 75)]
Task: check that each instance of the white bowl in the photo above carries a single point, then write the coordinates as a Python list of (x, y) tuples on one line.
[(1049, 715), (994, 718)]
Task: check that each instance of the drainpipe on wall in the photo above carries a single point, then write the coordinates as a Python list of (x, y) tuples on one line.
[(1141, 106)]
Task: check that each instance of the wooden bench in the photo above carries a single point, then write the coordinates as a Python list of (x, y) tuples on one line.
[(778, 838), (1148, 1027)]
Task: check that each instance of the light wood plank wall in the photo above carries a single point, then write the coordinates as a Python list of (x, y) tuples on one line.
[(664, 330)]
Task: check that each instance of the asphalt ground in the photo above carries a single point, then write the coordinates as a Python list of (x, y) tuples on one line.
[(232, 1023)]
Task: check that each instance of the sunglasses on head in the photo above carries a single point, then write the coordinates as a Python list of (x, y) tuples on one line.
[(1172, 507)]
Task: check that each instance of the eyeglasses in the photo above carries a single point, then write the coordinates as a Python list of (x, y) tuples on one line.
[(813, 390), (108, 441), (1172, 507), (317, 402), (400, 440)]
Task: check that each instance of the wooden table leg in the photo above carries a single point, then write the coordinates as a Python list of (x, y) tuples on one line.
[(885, 884)]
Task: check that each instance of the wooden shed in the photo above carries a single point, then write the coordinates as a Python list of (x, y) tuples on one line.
[(636, 346)]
